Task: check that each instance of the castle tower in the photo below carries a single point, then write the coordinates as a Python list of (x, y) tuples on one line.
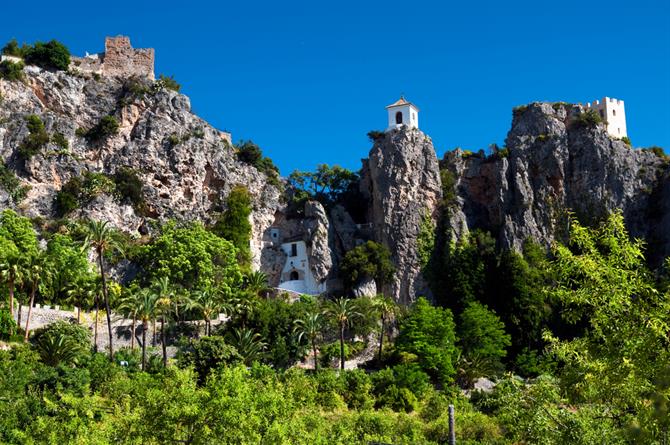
[(402, 113), (612, 112)]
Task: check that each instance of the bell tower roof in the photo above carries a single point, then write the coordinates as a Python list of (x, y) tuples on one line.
[(401, 102)]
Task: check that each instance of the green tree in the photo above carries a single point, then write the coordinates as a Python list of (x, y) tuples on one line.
[(616, 366), (428, 332), (249, 344), (69, 264), (37, 137), (62, 342), (165, 306), (207, 353), (342, 311), (370, 260), (102, 239), (234, 224), (146, 310), (208, 305), (482, 333), (193, 258), (327, 184), (36, 272)]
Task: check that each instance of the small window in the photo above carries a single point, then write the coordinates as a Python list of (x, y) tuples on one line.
[(602, 115), (398, 117), (294, 250), (613, 112), (294, 275)]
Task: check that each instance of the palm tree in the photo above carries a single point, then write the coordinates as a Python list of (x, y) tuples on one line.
[(248, 343), (386, 308), (256, 282), (164, 307), (208, 305), (59, 348), (310, 327), (146, 310), (36, 271), (81, 294), (343, 311), (243, 305), (101, 238), (130, 306)]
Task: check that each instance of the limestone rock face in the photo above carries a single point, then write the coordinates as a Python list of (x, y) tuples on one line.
[(187, 169), (319, 235), (402, 179), (555, 166)]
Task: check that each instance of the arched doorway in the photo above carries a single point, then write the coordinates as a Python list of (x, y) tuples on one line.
[(398, 117), (294, 275)]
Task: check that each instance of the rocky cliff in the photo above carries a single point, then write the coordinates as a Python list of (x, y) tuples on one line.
[(187, 167), (401, 179), (554, 164)]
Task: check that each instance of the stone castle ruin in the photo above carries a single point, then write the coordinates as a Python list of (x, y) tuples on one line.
[(119, 59)]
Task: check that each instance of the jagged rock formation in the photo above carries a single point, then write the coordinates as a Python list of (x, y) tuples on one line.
[(186, 167), (555, 165), (402, 180)]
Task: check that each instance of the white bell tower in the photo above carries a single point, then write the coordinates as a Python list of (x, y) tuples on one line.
[(402, 113)]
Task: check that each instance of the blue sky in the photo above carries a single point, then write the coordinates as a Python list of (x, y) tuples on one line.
[(308, 80)]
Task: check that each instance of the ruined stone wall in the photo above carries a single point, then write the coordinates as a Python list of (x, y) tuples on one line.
[(122, 59)]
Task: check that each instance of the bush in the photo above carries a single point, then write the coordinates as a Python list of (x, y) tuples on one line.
[(59, 140), (482, 333), (658, 151), (428, 332), (206, 354), (588, 119), (251, 154), (7, 325), (37, 139), (400, 387), (375, 135), (11, 183), (62, 342), (11, 71), (108, 126), (52, 55), (80, 190), (167, 82), (12, 49), (626, 140), (356, 387), (234, 224), (128, 187), (367, 261)]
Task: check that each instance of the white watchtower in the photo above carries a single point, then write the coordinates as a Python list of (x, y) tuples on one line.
[(402, 113), (613, 114)]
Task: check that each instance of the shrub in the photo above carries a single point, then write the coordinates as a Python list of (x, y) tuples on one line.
[(518, 111), (173, 140), (80, 190), (11, 183), (36, 139), (62, 342), (207, 353), (12, 49), (429, 333), (588, 119), (52, 55), (7, 325), (658, 151), (356, 387), (626, 140), (251, 154), (108, 126), (11, 71), (128, 187), (168, 83), (59, 140), (370, 260), (482, 333), (234, 224), (375, 135)]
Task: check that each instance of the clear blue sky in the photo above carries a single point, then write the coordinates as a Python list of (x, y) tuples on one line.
[(308, 80)]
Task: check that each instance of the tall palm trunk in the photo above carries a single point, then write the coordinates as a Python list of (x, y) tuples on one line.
[(153, 332), (107, 309), (145, 327), (18, 316), (95, 328), (132, 334), (10, 284), (381, 339), (316, 361), (164, 346), (342, 346), (30, 310)]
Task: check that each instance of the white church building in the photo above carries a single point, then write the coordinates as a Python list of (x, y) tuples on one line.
[(296, 275), (613, 113), (402, 112)]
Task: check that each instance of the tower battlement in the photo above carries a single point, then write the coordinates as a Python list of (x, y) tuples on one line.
[(613, 113), (118, 59)]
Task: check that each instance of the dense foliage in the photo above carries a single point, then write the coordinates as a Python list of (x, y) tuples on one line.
[(589, 322), (251, 154)]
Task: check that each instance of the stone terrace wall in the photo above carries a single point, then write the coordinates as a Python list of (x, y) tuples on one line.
[(122, 59)]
